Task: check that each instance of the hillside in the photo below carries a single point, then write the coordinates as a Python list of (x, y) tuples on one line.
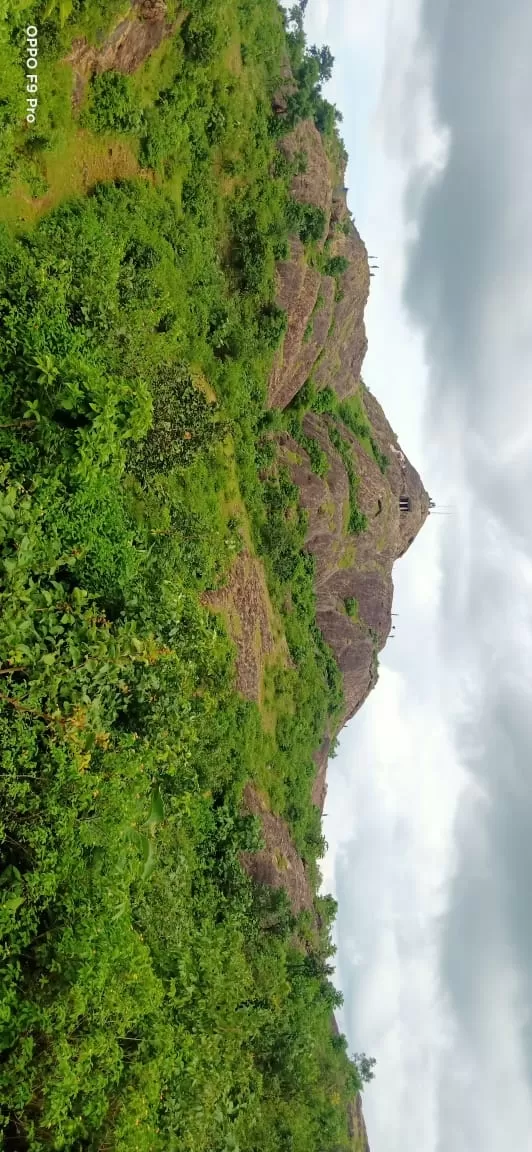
[(200, 507)]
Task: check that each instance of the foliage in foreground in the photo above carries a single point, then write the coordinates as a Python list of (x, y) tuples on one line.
[(150, 996)]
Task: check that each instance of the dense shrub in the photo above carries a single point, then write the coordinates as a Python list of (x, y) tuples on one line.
[(325, 400), (183, 423), (273, 322), (308, 220), (199, 37), (317, 457), (112, 105), (357, 519), (335, 265)]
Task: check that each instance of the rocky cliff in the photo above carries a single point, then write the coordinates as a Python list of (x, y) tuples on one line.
[(337, 344), (326, 342)]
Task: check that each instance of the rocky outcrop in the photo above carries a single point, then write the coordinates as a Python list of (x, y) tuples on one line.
[(326, 340), (356, 570), (357, 1126), (126, 47), (346, 346), (313, 185), (245, 603), (326, 334), (321, 760), (298, 288), (278, 863)]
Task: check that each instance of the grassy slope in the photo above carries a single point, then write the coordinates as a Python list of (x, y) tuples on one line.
[(151, 998)]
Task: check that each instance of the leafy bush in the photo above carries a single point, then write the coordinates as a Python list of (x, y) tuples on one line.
[(199, 37), (335, 265), (152, 997), (112, 105), (183, 423), (273, 322), (318, 460), (325, 400), (308, 220), (353, 415)]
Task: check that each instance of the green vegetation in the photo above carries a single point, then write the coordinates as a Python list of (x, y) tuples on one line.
[(352, 414), (335, 265), (351, 607), (318, 305), (357, 520), (308, 220), (309, 330), (152, 997), (317, 457), (112, 106), (311, 68)]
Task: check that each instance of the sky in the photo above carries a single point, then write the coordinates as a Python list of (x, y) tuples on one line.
[(429, 808)]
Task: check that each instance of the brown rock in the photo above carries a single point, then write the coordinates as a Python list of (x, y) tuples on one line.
[(321, 760), (125, 48), (278, 864), (298, 286), (245, 603), (357, 1125), (360, 566), (335, 352), (314, 185), (346, 346)]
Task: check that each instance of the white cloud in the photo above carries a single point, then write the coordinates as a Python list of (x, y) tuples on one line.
[(396, 784), (393, 796), (403, 816), (489, 1068)]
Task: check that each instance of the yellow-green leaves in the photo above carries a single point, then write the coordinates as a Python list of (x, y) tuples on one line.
[(65, 8), (144, 842)]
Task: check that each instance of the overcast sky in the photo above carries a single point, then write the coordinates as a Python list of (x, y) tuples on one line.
[(429, 810)]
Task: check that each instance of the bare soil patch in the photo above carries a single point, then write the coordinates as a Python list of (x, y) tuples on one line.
[(245, 604)]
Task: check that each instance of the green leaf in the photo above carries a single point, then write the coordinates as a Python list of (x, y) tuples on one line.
[(49, 658), (120, 912), (156, 815), (65, 8), (12, 903), (149, 859)]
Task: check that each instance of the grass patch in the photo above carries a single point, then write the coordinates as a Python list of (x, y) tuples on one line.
[(352, 608)]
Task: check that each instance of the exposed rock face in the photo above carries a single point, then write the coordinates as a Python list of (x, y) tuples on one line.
[(357, 567), (326, 338), (245, 603), (357, 1125), (344, 350), (278, 864), (314, 184), (321, 760), (297, 292), (126, 47), (326, 331)]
